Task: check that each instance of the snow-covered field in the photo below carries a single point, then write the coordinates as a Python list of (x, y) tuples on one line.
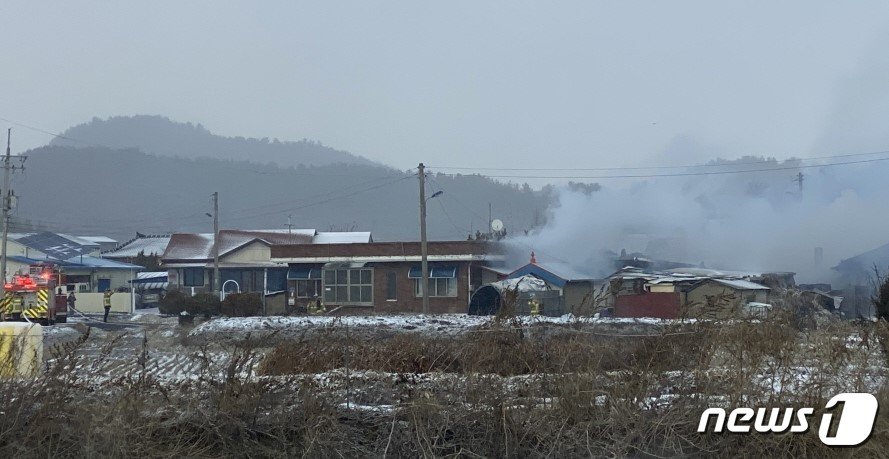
[(159, 346), (237, 328)]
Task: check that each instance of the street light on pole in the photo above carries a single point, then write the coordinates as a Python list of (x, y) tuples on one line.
[(424, 252)]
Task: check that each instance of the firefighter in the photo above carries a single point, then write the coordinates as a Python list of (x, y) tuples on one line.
[(71, 300), (106, 301), (60, 303), (316, 307), (535, 307)]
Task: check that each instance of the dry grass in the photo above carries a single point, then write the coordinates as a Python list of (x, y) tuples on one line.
[(503, 391)]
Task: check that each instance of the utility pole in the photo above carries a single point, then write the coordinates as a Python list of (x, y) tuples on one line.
[(424, 264), (216, 243), (490, 220), (7, 196), (799, 179)]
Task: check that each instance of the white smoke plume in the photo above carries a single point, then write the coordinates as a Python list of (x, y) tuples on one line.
[(752, 221)]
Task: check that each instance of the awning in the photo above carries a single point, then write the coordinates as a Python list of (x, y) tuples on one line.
[(152, 285), (435, 272), (149, 280), (344, 265), (303, 273)]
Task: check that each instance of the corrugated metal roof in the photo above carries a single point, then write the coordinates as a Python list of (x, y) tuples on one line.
[(98, 239), (148, 245), (740, 284)]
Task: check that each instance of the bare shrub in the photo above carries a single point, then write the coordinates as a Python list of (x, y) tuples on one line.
[(511, 388)]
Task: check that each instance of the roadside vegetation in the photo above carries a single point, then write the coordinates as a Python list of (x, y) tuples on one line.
[(507, 389)]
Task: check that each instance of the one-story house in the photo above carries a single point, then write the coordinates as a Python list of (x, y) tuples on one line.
[(76, 256), (686, 292), (575, 290), (244, 260), (245, 263), (722, 298), (384, 276), (84, 274)]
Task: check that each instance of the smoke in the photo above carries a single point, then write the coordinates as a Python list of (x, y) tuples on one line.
[(747, 221), (756, 222)]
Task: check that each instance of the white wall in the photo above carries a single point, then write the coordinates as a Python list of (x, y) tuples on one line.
[(93, 302)]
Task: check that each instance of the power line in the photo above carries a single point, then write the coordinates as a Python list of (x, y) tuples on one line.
[(683, 174), (324, 201), (628, 168), (54, 134)]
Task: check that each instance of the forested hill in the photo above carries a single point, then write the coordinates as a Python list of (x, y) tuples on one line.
[(161, 136), (116, 192)]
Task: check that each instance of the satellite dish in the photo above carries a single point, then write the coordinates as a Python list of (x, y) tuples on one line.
[(496, 225)]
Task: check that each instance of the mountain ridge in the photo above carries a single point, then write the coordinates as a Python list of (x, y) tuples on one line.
[(162, 136)]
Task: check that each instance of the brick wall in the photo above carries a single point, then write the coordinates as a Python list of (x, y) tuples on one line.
[(405, 298), (657, 305)]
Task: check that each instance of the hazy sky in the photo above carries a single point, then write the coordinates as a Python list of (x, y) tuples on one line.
[(460, 83)]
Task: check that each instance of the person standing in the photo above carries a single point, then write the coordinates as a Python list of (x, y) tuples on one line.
[(71, 300), (107, 303)]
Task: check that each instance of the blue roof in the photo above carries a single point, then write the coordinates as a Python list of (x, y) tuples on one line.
[(79, 262), (557, 274), (32, 261), (54, 245)]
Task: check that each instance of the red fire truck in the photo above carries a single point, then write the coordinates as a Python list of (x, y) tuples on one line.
[(32, 296)]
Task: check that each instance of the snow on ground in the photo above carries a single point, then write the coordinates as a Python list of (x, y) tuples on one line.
[(442, 324), (59, 335)]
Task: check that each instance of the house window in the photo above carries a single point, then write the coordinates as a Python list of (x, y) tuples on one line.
[(440, 287), (348, 285), (391, 285), (193, 277), (309, 288)]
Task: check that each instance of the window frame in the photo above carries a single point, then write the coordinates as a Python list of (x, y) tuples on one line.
[(391, 286), (342, 290), (188, 280), (450, 287), (316, 286)]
